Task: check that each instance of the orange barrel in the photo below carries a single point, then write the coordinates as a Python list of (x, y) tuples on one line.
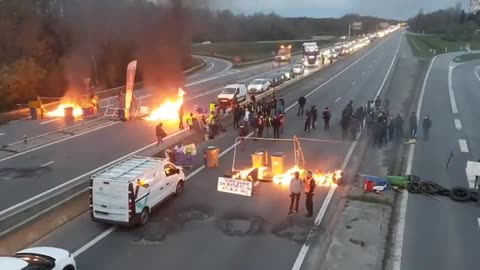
[(277, 163)]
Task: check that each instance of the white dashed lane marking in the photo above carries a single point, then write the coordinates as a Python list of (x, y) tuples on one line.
[(338, 99), (458, 124), (463, 145)]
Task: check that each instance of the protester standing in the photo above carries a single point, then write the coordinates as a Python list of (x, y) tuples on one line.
[(314, 113), (413, 126), (189, 121), (180, 117), (399, 126), (308, 121), (426, 125), (295, 189), (301, 104), (326, 115), (160, 133), (276, 127), (309, 188)]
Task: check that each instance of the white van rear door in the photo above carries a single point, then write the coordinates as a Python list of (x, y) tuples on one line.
[(110, 200)]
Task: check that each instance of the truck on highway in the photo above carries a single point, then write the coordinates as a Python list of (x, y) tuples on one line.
[(311, 54), (126, 192), (232, 92), (284, 54)]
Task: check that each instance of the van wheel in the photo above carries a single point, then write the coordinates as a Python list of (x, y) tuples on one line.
[(179, 188), (144, 216)]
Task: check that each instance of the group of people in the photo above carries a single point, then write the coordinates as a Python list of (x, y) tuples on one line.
[(385, 127), (311, 115)]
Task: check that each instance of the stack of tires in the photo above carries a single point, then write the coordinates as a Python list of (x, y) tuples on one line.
[(459, 194)]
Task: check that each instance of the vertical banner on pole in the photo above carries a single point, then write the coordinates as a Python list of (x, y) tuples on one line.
[(131, 70)]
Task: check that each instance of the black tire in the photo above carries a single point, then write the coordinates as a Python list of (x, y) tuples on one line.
[(413, 178), (460, 194), (144, 216), (179, 188), (474, 194), (429, 187), (444, 192), (413, 188), (69, 267)]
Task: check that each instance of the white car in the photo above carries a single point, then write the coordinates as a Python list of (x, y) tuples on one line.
[(258, 86), (39, 258), (298, 69)]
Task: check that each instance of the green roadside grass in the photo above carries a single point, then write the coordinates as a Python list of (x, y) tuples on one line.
[(248, 51), (426, 45)]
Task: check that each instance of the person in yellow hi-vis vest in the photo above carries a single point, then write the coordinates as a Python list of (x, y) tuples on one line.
[(189, 121), (213, 107), (93, 99)]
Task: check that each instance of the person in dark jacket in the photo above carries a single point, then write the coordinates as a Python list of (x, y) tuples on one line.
[(391, 128), (314, 113), (326, 115), (309, 188), (260, 125), (276, 127), (160, 133), (413, 126), (237, 116), (301, 104), (426, 125), (308, 121), (398, 126)]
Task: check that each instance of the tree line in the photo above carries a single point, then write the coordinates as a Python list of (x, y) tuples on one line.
[(52, 48), (454, 23)]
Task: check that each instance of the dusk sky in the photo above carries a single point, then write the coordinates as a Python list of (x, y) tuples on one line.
[(394, 9)]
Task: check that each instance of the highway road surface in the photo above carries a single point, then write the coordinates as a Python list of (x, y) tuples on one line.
[(443, 234), (29, 173), (205, 229)]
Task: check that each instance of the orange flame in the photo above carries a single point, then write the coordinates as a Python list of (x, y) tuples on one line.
[(60, 110), (168, 110)]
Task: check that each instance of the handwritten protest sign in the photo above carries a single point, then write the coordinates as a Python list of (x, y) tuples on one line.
[(234, 186)]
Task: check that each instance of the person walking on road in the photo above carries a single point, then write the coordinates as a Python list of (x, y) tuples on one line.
[(326, 115), (160, 133), (314, 113), (308, 121), (426, 125), (295, 189), (413, 126), (301, 104), (309, 188)]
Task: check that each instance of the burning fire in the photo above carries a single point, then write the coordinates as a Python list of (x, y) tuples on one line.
[(60, 110), (326, 180), (168, 110)]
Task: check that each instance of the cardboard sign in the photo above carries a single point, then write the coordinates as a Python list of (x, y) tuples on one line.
[(234, 186)]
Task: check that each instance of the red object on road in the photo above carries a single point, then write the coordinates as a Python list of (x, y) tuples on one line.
[(368, 185), (237, 59)]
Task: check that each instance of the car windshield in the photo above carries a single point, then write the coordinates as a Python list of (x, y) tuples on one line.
[(257, 81), (229, 90)]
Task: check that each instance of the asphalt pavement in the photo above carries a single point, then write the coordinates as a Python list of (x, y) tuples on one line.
[(439, 233), (205, 229)]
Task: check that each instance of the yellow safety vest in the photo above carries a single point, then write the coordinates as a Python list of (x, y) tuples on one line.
[(211, 120), (212, 107), (190, 121)]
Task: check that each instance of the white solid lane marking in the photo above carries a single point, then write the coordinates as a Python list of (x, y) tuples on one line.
[(50, 121), (363, 74), (110, 230), (1, 134), (48, 163), (390, 68), (338, 99), (476, 72), (57, 141), (478, 222), (451, 94), (354, 82), (400, 230), (94, 241), (318, 220), (458, 124), (463, 145), (211, 78), (212, 65)]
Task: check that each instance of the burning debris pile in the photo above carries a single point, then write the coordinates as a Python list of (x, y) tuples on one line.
[(168, 111)]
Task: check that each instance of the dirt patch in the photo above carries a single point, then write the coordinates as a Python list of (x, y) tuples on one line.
[(294, 230)]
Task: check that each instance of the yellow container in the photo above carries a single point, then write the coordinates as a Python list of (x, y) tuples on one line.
[(277, 163), (258, 159)]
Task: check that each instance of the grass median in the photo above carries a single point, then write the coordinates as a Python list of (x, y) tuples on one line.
[(430, 45), (249, 51)]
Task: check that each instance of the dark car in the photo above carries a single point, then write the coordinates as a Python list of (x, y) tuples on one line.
[(276, 79)]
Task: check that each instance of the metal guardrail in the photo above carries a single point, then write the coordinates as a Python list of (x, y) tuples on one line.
[(102, 94)]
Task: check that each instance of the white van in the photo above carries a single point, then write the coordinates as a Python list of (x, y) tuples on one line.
[(127, 192), (230, 92)]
